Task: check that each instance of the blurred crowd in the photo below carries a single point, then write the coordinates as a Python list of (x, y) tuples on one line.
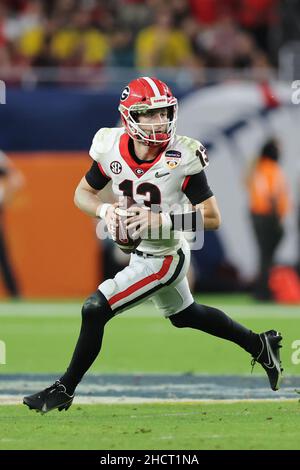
[(137, 33)]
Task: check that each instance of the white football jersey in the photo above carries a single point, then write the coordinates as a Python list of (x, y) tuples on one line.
[(159, 182)]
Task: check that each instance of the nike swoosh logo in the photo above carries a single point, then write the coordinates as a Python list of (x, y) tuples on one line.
[(268, 352), (44, 408), (271, 359), (159, 175)]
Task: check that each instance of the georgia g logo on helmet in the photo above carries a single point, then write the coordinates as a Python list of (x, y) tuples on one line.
[(125, 93), (141, 95)]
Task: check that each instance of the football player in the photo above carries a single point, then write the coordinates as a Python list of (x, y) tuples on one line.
[(148, 162)]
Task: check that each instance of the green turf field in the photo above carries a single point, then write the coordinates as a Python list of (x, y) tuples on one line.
[(159, 426), (40, 337)]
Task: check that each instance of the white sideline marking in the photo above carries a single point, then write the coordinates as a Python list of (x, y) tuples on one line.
[(18, 400), (55, 310)]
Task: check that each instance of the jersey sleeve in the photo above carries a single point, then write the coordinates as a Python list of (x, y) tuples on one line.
[(196, 158), (99, 144), (95, 178), (196, 188), (101, 147)]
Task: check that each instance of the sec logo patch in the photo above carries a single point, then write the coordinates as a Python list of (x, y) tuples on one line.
[(116, 167)]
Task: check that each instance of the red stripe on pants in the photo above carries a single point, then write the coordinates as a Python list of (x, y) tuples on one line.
[(143, 282)]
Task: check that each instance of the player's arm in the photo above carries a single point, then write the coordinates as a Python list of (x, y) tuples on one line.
[(199, 193), (205, 215), (11, 180), (205, 210), (87, 197), (210, 213)]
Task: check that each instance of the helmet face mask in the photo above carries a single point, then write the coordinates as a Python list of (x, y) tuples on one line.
[(139, 97), (151, 133)]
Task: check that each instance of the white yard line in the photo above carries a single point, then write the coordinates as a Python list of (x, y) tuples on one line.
[(155, 388), (81, 400), (54, 310)]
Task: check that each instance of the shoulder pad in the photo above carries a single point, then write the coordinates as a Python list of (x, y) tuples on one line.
[(104, 141), (194, 154)]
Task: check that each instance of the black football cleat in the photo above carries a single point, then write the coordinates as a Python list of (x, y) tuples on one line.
[(49, 399), (269, 357)]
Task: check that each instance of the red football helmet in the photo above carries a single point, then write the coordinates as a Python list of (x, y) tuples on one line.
[(139, 96)]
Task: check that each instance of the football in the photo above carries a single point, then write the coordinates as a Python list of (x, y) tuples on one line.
[(123, 239)]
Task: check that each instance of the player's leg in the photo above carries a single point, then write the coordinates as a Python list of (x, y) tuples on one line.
[(131, 286), (96, 312), (263, 347), (7, 269), (176, 303), (141, 280), (215, 322)]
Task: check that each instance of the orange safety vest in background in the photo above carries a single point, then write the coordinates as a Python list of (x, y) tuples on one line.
[(268, 189)]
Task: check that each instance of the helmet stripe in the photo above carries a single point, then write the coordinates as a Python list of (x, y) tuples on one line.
[(153, 86)]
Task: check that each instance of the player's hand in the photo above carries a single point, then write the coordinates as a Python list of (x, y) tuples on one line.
[(112, 219), (140, 220)]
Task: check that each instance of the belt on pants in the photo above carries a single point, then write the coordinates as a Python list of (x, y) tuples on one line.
[(144, 255), (149, 255)]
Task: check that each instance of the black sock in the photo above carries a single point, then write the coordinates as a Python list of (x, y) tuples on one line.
[(217, 323), (95, 314)]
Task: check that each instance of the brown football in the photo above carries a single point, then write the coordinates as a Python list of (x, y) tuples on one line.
[(123, 238)]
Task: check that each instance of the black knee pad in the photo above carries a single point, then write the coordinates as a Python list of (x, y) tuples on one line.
[(96, 306), (181, 319)]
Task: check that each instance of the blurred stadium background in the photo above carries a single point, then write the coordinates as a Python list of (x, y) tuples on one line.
[(234, 65)]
